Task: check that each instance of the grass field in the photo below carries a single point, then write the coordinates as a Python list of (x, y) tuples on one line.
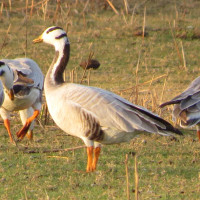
[(145, 70)]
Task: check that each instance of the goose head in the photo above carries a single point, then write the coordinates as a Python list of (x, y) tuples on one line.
[(53, 35), (7, 77)]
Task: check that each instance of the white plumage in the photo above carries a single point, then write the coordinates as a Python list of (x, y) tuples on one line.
[(187, 106), (27, 80), (1, 94), (95, 115)]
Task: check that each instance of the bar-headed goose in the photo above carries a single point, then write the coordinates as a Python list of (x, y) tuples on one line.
[(187, 106), (6, 80), (95, 115), (27, 80)]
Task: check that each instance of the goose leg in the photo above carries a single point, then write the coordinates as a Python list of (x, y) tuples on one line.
[(24, 115), (89, 158), (22, 132), (97, 151), (7, 125), (198, 134), (198, 131), (29, 135)]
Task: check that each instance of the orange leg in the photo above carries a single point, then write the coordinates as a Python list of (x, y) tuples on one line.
[(22, 132), (89, 157), (7, 125), (198, 134), (97, 151)]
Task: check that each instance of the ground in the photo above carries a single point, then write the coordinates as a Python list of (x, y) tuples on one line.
[(145, 70)]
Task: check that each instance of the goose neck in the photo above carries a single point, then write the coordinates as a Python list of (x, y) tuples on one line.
[(56, 70)]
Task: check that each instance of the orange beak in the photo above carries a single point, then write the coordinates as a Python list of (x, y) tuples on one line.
[(11, 94), (38, 40)]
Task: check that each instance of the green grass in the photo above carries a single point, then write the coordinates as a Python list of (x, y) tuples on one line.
[(167, 169)]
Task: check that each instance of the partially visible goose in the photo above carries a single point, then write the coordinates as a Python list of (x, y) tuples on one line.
[(7, 83), (187, 106), (95, 115), (27, 80)]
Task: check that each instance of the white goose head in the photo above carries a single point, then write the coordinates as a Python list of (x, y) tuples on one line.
[(53, 35), (7, 77), (57, 37)]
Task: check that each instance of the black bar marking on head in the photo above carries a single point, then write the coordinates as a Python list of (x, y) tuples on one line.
[(2, 63), (53, 28), (61, 36)]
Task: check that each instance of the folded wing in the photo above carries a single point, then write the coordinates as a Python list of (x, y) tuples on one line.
[(115, 112)]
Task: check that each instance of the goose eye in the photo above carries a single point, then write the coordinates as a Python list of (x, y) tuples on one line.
[(2, 72)]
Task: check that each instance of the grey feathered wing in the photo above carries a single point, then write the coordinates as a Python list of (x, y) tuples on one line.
[(188, 97), (187, 105), (115, 112)]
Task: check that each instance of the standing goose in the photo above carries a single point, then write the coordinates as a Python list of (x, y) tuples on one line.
[(187, 106), (95, 115), (27, 80)]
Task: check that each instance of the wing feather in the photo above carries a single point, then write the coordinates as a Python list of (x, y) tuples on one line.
[(188, 102), (196, 96), (193, 108), (192, 92), (114, 111)]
